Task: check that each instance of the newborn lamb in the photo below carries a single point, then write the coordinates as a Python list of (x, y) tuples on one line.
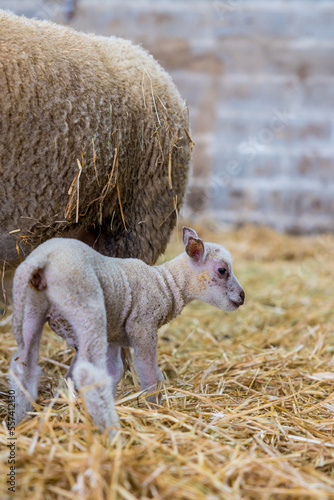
[(100, 304)]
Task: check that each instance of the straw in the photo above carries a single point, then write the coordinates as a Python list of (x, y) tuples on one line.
[(248, 405)]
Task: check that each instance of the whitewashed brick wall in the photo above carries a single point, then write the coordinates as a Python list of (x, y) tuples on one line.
[(258, 77)]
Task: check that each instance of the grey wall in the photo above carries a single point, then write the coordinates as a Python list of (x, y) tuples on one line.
[(258, 77)]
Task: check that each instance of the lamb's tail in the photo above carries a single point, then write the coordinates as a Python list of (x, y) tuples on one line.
[(30, 273)]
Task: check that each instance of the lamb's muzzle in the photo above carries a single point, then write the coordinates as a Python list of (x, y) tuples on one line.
[(101, 304), (241, 299)]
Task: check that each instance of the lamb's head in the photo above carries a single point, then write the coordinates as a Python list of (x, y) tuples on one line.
[(212, 278)]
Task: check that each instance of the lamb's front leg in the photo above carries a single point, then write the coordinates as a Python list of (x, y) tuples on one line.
[(150, 375)]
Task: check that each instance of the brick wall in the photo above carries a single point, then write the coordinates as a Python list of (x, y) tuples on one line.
[(258, 77)]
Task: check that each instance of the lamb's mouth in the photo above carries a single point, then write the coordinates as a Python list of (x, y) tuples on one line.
[(236, 304)]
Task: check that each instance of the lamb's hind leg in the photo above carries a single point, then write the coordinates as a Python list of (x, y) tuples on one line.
[(115, 365), (25, 370), (150, 375), (69, 373), (90, 373), (63, 328)]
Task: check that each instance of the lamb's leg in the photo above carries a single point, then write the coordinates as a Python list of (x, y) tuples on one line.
[(90, 367), (24, 362), (115, 365), (99, 398), (150, 375), (69, 373), (81, 304)]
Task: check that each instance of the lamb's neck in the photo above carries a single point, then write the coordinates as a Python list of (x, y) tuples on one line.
[(176, 274)]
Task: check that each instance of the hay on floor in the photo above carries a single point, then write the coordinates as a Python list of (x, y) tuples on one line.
[(248, 406)]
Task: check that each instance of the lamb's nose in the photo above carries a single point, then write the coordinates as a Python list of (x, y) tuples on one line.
[(242, 297)]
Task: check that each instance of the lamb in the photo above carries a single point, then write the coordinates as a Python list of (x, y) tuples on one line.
[(94, 142), (101, 304)]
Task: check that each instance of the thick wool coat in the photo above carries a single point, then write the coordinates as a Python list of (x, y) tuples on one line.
[(94, 142)]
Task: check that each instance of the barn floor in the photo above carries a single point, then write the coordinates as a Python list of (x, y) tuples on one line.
[(248, 406)]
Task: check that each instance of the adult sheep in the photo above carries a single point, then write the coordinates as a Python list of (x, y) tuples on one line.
[(94, 142)]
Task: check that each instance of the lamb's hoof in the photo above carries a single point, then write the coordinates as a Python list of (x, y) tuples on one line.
[(154, 401), (113, 432)]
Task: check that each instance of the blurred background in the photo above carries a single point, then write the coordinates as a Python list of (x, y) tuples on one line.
[(258, 77)]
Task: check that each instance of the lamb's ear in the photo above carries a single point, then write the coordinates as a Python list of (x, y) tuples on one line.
[(187, 233), (195, 249)]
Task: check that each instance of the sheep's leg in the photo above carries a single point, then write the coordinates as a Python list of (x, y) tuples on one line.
[(150, 375), (24, 362), (115, 365)]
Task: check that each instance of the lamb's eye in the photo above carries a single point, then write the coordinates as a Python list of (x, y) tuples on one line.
[(222, 270)]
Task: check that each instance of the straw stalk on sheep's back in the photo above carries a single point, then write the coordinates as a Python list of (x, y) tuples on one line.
[(94, 142)]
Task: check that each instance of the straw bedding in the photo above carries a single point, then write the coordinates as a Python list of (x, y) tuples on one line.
[(248, 404)]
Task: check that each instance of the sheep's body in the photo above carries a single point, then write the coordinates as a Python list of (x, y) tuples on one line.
[(101, 304), (70, 100)]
